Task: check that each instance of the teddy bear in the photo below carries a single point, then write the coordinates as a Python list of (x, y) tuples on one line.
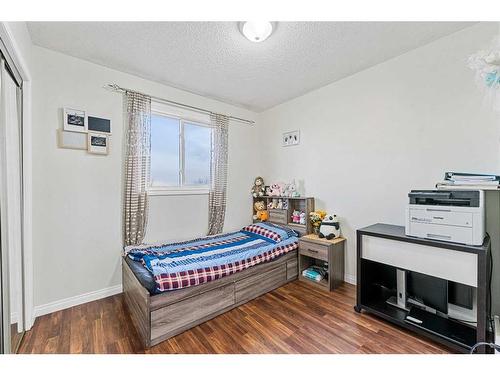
[(330, 227), (258, 187), (260, 211)]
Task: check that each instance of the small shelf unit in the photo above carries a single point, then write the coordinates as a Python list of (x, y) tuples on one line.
[(284, 216)]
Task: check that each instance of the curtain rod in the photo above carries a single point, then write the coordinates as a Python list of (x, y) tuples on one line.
[(116, 88)]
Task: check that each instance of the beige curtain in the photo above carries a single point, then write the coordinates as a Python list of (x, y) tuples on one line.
[(137, 162), (217, 195)]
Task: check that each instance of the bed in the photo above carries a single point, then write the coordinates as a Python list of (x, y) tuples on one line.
[(170, 288)]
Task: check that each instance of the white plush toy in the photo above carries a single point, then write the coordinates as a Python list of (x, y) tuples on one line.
[(302, 218), (330, 227)]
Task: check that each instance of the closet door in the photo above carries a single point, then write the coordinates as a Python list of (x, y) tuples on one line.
[(11, 212)]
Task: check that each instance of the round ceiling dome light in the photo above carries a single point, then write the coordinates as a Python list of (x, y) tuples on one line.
[(256, 31)]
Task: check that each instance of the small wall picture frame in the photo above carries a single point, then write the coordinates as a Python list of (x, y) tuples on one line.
[(72, 140), (291, 138), (74, 120), (98, 124), (98, 143)]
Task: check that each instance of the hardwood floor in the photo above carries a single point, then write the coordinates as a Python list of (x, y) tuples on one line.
[(292, 319)]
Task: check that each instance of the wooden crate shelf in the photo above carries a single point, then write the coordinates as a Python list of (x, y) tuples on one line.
[(284, 216)]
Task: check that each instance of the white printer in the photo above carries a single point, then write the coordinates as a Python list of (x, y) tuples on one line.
[(447, 215)]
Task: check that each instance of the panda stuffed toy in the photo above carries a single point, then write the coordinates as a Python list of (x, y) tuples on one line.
[(330, 227)]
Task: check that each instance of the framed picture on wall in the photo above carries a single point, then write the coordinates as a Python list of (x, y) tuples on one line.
[(72, 140), (291, 138), (74, 120), (98, 124), (98, 143)]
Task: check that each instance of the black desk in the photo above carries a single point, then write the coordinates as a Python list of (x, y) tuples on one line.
[(381, 248)]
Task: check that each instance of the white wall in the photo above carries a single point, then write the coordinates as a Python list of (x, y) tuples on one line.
[(77, 196), (368, 139)]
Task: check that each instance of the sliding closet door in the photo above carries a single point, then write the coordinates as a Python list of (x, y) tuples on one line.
[(11, 211)]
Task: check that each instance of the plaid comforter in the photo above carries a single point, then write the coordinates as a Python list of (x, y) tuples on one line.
[(190, 263)]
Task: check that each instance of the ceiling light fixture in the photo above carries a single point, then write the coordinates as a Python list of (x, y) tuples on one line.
[(256, 31)]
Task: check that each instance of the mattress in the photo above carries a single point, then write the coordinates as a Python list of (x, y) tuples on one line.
[(172, 266), (143, 275)]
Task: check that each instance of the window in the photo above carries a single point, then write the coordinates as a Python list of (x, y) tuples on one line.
[(180, 155)]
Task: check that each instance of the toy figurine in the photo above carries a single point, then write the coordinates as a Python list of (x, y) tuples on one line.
[(330, 227), (277, 189), (280, 204), (275, 203), (285, 204), (302, 217), (258, 187), (260, 211), (292, 190)]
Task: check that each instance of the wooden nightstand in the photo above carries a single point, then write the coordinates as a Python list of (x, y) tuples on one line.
[(316, 251)]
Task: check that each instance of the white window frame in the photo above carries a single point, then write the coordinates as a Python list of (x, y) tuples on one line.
[(181, 189)]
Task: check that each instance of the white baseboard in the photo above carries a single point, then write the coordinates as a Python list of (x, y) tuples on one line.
[(350, 279), (76, 300)]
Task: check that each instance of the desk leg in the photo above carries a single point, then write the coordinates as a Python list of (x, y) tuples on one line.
[(482, 300)]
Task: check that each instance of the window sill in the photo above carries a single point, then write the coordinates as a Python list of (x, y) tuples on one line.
[(183, 191)]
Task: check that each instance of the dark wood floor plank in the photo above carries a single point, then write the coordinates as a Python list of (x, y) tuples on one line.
[(292, 319)]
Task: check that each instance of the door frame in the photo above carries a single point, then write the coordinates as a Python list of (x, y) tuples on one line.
[(21, 65)]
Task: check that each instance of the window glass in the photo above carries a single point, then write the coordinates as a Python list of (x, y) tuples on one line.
[(165, 156), (197, 148)]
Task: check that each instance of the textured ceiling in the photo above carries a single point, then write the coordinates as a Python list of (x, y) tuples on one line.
[(215, 60)]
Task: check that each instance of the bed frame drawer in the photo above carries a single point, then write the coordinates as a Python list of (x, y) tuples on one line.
[(256, 285), (292, 269), (189, 311)]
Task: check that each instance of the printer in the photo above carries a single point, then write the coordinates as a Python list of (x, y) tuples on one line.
[(447, 215)]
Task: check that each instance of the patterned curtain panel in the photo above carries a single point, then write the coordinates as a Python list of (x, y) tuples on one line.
[(217, 195), (137, 161)]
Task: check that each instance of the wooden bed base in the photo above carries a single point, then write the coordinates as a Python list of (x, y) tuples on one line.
[(165, 315)]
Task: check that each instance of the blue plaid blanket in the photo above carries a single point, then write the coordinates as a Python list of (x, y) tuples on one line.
[(172, 264)]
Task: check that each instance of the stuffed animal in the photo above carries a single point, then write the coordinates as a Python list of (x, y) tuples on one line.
[(302, 218), (258, 187), (330, 227), (277, 189), (274, 203), (292, 190), (296, 217), (280, 204), (262, 215), (260, 211)]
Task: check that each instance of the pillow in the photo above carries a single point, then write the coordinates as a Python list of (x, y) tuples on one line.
[(271, 231)]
